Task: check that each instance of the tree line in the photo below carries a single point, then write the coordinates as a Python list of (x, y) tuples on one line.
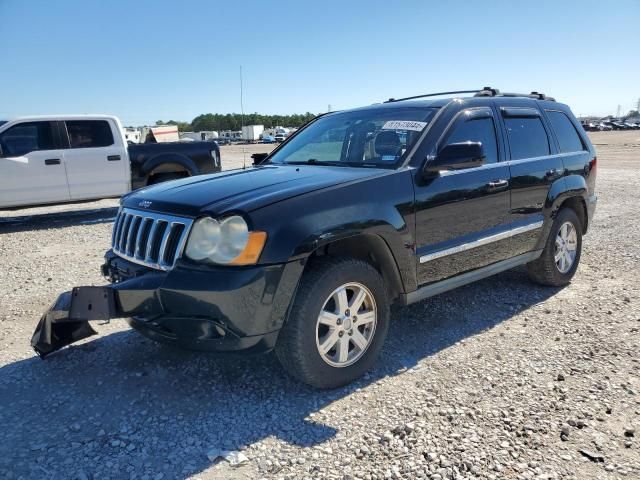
[(234, 121)]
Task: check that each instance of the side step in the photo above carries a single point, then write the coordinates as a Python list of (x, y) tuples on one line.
[(466, 278)]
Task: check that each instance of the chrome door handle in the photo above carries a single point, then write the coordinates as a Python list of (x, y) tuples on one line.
[(553, 173), (497, 184), (52, 161)]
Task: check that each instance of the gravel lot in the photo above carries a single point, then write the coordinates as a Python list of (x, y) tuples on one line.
[(500, 379)]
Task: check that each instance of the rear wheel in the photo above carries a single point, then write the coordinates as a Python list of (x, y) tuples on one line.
[(337, 324), (561, 255)]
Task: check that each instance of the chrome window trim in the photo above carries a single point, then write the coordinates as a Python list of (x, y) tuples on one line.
[(488, 166), (481, 241)]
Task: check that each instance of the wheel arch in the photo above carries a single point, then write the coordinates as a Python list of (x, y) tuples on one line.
[(168, 164), (370, 248), (573, 195)]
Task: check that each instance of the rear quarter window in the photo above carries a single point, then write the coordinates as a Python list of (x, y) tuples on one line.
[(568, 137), (527, 137), (89, 133)]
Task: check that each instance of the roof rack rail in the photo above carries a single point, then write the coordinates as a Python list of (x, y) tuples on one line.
[(484, 92), (490, 92), (487, 92), (391, 100)]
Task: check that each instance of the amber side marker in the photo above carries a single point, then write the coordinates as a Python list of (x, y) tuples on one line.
[(252, 251)]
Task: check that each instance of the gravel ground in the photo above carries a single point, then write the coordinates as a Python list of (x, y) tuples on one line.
[(500, 379)]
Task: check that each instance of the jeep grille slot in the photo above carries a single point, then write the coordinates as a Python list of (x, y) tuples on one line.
[(152, 239)]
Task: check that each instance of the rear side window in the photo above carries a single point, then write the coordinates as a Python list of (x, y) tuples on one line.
[(27, 137), (527, 137), (477, 130), (89, 133), (568, 137)]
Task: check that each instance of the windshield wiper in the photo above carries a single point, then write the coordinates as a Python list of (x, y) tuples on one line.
[(314, 161)]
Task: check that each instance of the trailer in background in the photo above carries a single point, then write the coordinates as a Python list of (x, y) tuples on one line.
[(163, 134), (252, 133), (199, 136)]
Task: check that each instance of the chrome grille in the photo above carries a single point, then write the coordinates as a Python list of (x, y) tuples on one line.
[(152, 239)]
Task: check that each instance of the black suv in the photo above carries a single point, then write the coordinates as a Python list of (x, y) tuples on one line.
[(305, 251)]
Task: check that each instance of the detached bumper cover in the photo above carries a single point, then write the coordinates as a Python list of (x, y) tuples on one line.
[(212, 309), (56, 329)]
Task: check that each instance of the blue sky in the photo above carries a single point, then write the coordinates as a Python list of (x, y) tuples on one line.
[(161, 59)]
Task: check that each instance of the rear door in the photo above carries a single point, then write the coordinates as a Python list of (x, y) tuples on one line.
[(535, 166), (96, 159), (462, 216), (32, 169)]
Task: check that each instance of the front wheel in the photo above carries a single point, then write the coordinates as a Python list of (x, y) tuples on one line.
[(337, 324), (561, 255)]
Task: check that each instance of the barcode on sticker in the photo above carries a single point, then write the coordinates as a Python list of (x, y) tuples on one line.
[(404, 125)]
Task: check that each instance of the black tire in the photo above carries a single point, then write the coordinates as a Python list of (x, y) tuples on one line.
[(164, 177), (544, 269), (297, 349)]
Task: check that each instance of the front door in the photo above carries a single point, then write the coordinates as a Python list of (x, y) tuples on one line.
[(97, 161), (462, 216), (32, 169)]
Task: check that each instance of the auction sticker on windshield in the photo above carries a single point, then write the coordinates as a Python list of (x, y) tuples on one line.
[(404, 125)]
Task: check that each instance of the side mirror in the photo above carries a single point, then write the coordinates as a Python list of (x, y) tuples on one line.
[(258, 158), (456, 156)]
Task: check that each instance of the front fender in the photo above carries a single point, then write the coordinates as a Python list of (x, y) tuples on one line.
[(381, 206)]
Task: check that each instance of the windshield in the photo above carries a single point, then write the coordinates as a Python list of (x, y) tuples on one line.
[(367, 138)]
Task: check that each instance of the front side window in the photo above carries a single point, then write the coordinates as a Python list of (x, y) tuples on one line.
[(89, 133), (477, 130), (378, 137), (527, 137), (568, 138), (27, 137)]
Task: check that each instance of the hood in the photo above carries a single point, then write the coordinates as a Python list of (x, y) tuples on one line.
[(242, 190)]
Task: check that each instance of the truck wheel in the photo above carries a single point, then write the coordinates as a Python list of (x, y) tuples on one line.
[(337, 324), (561, 255)]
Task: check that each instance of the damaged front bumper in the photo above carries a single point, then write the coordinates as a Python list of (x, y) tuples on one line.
[(199, 308)]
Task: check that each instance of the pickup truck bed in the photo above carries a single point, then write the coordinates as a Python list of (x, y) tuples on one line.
[(57, 159), (156, 162)]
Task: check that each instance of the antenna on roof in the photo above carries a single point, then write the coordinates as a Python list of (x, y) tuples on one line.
[(244, 156)]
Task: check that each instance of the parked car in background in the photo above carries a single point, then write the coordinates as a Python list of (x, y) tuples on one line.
[(268, 139), (616, 125), (305, 252), (590, 126), (58, 159), (604, 127)]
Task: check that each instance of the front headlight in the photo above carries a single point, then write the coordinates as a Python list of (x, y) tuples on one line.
[(227, 242)]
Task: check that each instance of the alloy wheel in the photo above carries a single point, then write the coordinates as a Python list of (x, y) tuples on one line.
[(566, 247), (346, 325)]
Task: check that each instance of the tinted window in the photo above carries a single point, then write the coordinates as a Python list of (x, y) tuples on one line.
[(527, 137), (479, 130), (27, 137), (568, 137), (89, 133)]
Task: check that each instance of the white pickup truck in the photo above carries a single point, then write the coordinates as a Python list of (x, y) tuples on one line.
[(56, 159)]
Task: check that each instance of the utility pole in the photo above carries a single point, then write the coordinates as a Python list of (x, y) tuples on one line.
[(619, 111), (638, 106)]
